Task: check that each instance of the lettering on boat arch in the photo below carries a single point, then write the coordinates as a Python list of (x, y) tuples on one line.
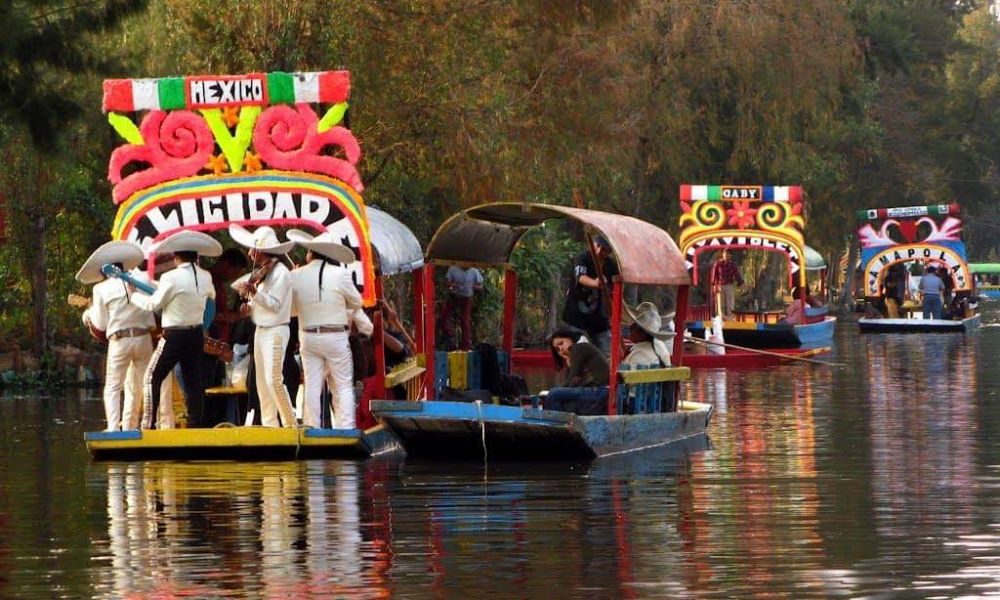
[(877, 266), (756, 217), (202, 152), (926, 234)]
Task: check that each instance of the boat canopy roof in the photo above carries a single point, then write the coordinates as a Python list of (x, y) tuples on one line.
[(486, 235), (398, 249), (984, 267), (814, 260)]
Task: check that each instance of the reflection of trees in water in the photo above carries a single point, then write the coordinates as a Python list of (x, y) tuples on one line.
[(278, 529)]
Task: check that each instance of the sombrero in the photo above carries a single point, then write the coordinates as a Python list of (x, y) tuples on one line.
[(129, 254), (322, 244), (189, 241), (263, 238), (647, 317)]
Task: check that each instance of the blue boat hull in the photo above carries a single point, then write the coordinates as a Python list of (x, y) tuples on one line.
[(775, 335), (468, 430), (919, 325)]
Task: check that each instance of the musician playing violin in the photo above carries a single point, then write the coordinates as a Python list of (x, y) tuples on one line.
[(126, 328), (268, 292)]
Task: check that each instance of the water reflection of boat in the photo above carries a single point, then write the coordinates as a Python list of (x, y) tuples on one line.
[(208, 529), (485, 236)]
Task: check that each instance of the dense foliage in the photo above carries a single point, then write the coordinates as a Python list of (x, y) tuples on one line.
[(863, 102)]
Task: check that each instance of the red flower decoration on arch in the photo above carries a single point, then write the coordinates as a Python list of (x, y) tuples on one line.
[(741, 215)]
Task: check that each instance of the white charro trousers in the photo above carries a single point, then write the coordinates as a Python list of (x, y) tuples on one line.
[(133, 352), (269, 348), (327, 357)]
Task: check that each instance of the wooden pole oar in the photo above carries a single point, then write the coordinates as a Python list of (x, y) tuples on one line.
[(765, 352)]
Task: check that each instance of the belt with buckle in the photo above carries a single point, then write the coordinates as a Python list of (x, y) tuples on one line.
[(181, 327), (326, 329), (127, 333)]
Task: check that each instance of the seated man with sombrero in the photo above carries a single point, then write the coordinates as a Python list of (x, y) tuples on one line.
[(648, 336), (268, 290), (126, 327), (326, 302), (180, 297)]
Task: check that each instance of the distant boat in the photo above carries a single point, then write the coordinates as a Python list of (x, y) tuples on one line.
[(987, 278)]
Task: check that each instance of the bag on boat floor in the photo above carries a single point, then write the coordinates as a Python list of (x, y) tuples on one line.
[(490, 376), (449, 394)]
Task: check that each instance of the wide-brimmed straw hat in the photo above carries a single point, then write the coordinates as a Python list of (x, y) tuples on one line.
[(323, 243), (647, 317), (189, 241), (263, 238), (129, 254)]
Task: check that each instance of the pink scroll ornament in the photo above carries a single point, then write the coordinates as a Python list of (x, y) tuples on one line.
[(176, 145), (288, 139)]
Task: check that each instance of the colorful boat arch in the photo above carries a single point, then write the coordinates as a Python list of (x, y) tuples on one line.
[(755, 217), (211, 151), (927, 234)]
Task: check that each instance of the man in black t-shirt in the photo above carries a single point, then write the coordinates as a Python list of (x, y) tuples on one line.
[(585, 307)]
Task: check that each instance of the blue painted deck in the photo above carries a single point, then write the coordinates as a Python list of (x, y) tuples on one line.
[(807, 336), (458, 429)]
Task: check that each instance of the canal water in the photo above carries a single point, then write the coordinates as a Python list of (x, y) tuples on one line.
[(880, 479)]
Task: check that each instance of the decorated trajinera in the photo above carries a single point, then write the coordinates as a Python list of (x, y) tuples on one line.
[(642, 407), (986, 277), (716, 219), (914, 269), (202, 153)]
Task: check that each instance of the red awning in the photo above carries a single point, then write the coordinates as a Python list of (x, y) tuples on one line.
[(486, 235)]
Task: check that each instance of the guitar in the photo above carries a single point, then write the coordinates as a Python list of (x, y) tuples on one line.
[(211, 346), (84, 302), (146, 288)]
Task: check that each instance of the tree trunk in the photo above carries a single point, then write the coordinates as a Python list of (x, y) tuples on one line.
[(39, 290), (846, 301)]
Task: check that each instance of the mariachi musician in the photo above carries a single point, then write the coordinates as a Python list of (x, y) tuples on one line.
[(269, 304), (180, 297), (126, 327), (325, 299)]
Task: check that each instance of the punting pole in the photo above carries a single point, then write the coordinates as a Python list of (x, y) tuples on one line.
[(616, 341), (378, 336), (418, 308), (680, 319), (509, 307), (429, 306)]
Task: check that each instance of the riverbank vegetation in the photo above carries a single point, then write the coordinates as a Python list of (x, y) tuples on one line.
[(862, 102)]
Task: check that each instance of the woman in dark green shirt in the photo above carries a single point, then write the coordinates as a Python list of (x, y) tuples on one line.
[(585, 387)]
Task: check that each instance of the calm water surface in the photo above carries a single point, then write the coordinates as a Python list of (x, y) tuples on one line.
[(878, 480)]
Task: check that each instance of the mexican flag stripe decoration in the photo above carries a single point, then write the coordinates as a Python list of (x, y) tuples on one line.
[(255, 89)]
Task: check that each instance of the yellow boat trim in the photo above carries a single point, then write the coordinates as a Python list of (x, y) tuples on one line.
[(224, 437)]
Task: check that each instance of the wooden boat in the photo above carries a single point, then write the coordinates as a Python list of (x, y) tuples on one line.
[(318, 190), (451, 429), (485, 236), (987, 279), (741, 359), (915, 237), (540, 358), (240, 443), (753, 217)]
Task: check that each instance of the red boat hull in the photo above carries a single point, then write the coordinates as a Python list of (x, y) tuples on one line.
[(732, 359)]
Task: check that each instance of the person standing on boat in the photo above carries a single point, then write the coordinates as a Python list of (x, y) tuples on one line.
[(895, 292), (268, 292), (724, 278), (463, 283), (126, 326), (586, 308), (180, 297), (326, 302), (585, 387), (931, 287)]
